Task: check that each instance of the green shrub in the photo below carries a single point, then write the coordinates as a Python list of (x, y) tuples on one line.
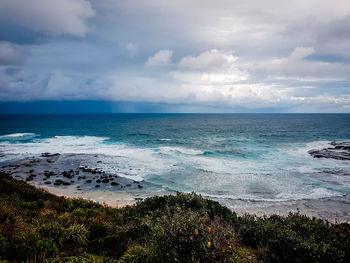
[(52, 230), (3, 246), (83, 258), (86, 212), (76, 235), (296, 238), (137, 254), (31, 205)]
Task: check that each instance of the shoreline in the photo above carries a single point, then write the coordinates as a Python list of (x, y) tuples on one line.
[(109, 198), (76, 180)]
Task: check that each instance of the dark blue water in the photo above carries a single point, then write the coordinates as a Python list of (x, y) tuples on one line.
[(247, 156)]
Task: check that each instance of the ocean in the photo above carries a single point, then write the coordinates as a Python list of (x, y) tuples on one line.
[(260, 157)]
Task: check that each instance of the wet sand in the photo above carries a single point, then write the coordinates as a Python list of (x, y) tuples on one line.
[(109, 198)]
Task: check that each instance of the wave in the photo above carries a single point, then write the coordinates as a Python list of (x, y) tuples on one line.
[(18, 135), (283, 174), (179, 150), (317, 193)]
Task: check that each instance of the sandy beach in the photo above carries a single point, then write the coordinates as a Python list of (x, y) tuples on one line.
[(109, 198)]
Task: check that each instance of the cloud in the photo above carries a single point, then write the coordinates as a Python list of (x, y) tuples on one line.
[(161, 58), (298, 65), (209, 59), (250, 54), (132, 49), (300, 53), (48, 16), (11, 54)]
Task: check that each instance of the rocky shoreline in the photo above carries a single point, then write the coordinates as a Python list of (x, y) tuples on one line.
[(339, 151), (67, 175)]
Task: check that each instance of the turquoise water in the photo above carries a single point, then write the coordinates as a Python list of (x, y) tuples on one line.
[(235, 156)]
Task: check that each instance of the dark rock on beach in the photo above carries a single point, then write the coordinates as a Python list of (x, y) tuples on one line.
[(59, 182), (65, 170), (339, 151), (49, 154)]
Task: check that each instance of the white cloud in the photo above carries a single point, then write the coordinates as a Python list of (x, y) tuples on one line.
[(298, 65), (54, 17), (300, 53), (209, 59), (161, 58)]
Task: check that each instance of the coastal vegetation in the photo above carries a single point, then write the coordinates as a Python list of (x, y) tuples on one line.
[(36, 226)]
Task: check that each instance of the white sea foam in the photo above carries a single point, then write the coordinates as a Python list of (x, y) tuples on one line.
[(316, 193), (179, 150), (17, 135), (278, 175)]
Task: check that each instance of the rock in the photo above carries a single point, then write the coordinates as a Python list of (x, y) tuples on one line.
[(27, 165), (99, 162), (139, 186), (128, 185), (97, 186), (114, 183), (47, 182), (57, 182), (340, 151), (31, 171), (49, 154), (92, 171), (29, 178), (68, 174), (98, 181), (81, 177), (105, 180), (88, 181)]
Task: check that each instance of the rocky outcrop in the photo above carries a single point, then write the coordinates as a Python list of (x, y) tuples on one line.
[(339, 151)]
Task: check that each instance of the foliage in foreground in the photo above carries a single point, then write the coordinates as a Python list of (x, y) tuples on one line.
[(36, 226)]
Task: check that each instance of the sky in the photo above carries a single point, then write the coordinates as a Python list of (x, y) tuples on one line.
[(175, 55)]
